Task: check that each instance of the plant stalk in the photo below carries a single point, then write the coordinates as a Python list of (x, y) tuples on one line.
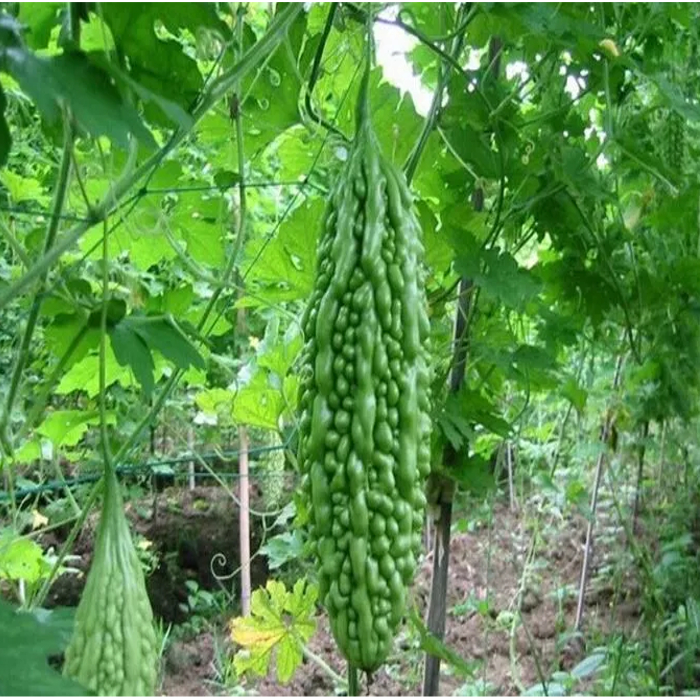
[(353, 682), (51, 232), (333, 675)]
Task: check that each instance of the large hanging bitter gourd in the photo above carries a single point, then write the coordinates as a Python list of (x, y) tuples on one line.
[(113, 650), (364, 429), (271, 472)]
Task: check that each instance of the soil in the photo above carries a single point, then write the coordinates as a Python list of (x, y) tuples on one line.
[(486, 564), (194, 536)]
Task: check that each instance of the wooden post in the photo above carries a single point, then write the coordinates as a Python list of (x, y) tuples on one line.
[(588, 552), (243, 496)]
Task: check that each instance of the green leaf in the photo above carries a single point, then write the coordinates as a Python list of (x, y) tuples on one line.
[(215, 401), (296, 150), (136, 337), (140, 237), (170, 109), (72, 80), (29, 452), (475, 408), (20, 558), (84, 375), (273, 105), (131, 350), (473, 473), (24, 189), (289, 657), (39, 18), (199, 222), (575, 393), (148, 37), (66, 428), (280, 357), (438, 254), (27, 642), (283, 268), (283, 548), (502, 277), (164, 335), (674, 98), (258, 404), (551, 690), (590, 665)]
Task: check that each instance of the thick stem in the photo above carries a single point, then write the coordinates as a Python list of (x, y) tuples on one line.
[(511, 481), (190, 464), (640, 474), (51, 231), (106, 452), (435, 106), (335, 677), (662, 454), (437, 607), (443, 492), (316, 71), (353, 682)]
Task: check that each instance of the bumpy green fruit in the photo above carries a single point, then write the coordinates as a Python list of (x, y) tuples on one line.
[(364, 429), (113, 650), (271, 474)]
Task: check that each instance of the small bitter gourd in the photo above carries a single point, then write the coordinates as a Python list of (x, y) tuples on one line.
[(113, 649), (272, 472), (364, 401)]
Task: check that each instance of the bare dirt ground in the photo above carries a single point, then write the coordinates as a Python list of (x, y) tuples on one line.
[(494, 573)]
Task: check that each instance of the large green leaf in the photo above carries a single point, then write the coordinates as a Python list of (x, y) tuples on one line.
[(131, 350), (136, 337), (27, 642), (498, 274), (72, 80), (282, 269), (148, 36), (273, 104), (65, 428), (259, 404), (39, 18)]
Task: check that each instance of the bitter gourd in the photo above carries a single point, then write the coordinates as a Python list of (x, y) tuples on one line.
[(113, 650), (272, 472), (364, 400)]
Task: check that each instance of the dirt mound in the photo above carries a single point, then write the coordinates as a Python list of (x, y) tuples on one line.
[(511, 601), (194, 536)]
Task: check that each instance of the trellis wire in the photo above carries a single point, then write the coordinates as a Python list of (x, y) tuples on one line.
[(142, 468)]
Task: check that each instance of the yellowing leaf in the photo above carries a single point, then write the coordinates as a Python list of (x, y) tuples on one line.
[(610, 47), (247, 634), (38, 520), (281, 622)]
